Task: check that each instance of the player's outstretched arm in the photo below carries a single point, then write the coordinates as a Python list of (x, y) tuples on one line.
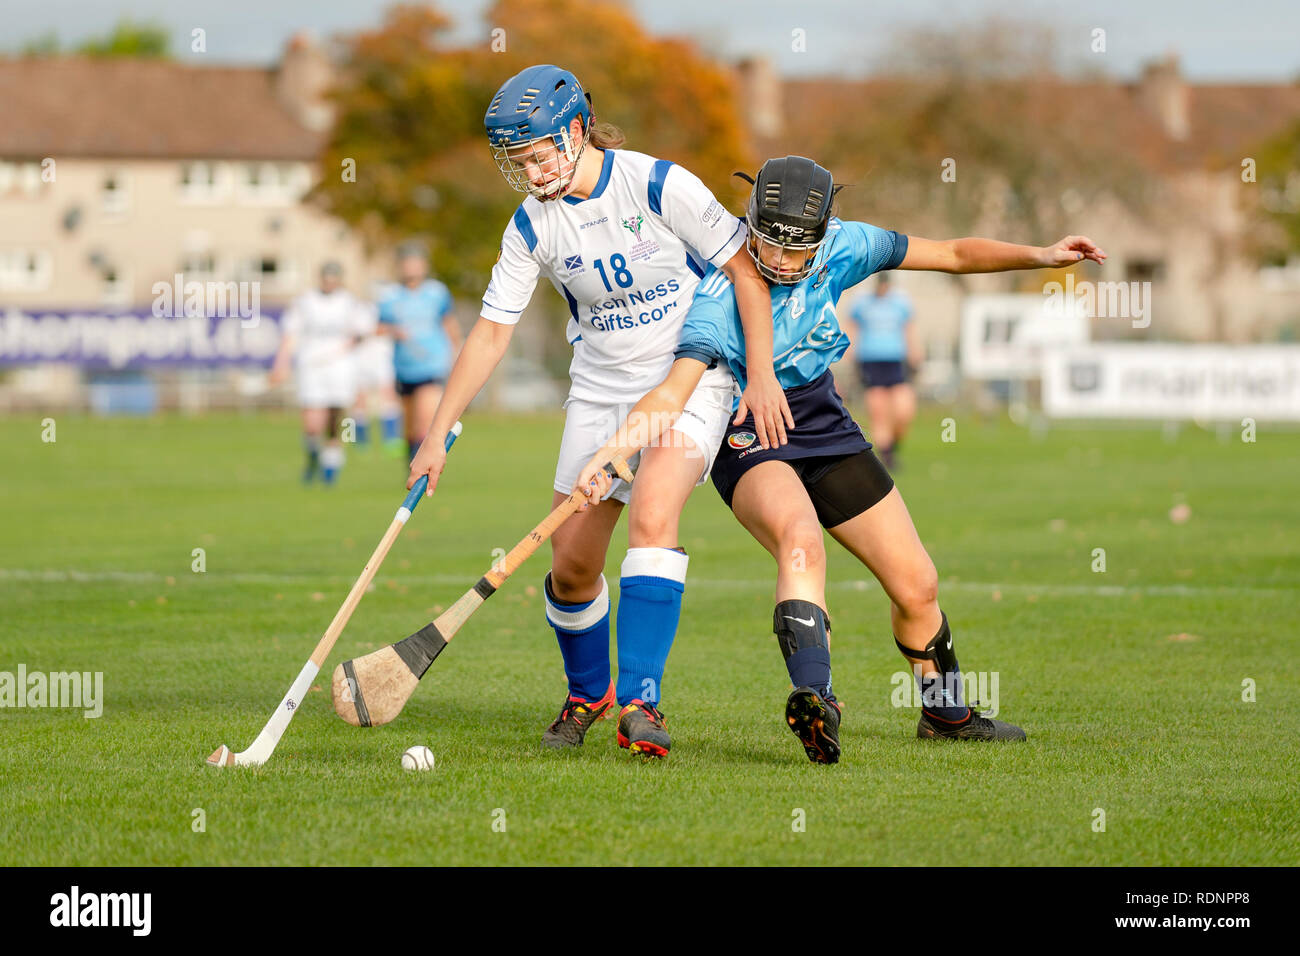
[(990, 255), (763, 393), (483, 350), (656, 412)]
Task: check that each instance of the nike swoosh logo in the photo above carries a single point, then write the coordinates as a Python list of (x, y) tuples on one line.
[(807, 623), (948, 646)]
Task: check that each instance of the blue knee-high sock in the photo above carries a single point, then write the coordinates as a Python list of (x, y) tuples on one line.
[(582, 631), (649, 606), (362, 429), (331, 463), (391, 423)]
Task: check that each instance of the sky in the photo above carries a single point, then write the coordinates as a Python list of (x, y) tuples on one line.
[(1246, 40)]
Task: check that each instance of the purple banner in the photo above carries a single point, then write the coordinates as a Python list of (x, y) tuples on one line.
[(139, 338)]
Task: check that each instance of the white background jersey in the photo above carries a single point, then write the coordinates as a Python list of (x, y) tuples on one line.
[(325, 325), (617, 259)]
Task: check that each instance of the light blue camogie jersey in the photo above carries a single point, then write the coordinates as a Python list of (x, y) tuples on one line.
[(880, 320), (426, 354), (807, 338)]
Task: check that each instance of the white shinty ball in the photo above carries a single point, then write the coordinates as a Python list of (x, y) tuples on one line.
[(417, 758)]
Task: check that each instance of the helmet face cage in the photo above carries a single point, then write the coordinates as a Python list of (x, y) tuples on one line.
[(530, 130), (548, 155), (785, 249)]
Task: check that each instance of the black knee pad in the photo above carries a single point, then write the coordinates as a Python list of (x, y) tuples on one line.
[(938, 650), (799, 625)]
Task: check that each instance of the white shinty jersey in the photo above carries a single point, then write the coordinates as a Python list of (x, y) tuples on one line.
[(325, 324), (627, 260)]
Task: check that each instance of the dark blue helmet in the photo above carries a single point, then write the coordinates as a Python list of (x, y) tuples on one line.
[(538, 104)]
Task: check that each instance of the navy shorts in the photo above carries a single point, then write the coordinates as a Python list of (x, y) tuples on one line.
[(882, 374), (823, 429), (409, 388)]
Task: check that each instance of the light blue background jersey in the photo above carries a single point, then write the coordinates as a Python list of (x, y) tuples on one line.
[(807, 337), (427, 353), (880, 320)]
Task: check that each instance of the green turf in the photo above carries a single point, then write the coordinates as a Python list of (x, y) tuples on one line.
[(1129, 682)]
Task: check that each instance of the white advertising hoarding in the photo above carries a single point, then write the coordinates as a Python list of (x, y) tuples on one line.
[(1172, 382), (1005, 336)]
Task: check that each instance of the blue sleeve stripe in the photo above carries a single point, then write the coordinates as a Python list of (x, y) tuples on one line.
[(694, 266), (573, 303), (900, 251), (699, 353), (525, 227), (499, 309), (658, 172)]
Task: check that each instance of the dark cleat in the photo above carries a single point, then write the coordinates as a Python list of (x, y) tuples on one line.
[(975, 727), (816, 722), (576, 718), (641, 730)]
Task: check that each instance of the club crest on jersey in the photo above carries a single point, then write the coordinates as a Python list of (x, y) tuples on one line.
[(634, 225), (741, 439), (822, 275), (573, 264)]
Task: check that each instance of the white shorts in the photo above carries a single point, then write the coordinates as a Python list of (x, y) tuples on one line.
[(331, 385), (588, 425), (374, 363)]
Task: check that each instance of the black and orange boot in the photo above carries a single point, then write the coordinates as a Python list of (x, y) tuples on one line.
[(576, 717), (641, 730), (815, 720)]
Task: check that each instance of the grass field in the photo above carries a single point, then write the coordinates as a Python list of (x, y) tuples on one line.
[(1129, 682)]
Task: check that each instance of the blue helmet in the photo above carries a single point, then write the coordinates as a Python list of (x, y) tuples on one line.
[(537, 104)]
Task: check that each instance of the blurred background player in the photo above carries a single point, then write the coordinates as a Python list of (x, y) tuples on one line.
[(885, 347), (826, 476), (320, 329), (377, 393), (417, 314), (625, 238)]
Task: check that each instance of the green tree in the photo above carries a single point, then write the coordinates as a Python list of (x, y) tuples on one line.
[(410, 116), (144, 41), (1277, 164)]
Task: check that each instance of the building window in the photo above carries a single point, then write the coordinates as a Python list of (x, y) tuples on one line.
[(114, 194), (22, 178), (1144, 270), (275, 274), (273, 183), (25, 270), (199, 264), (115, 288), (203, 181)]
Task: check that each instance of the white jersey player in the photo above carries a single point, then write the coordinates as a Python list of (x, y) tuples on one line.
[(624, 238), (319, 330)]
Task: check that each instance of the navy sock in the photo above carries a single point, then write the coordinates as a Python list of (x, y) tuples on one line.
[(649, 606), (803, 632), (582, 631), (941, 694)]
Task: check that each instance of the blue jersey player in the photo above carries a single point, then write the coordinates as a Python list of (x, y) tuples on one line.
[(826, 474), (885, 346)]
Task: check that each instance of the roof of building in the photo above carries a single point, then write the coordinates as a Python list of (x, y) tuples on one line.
[(146, 109)]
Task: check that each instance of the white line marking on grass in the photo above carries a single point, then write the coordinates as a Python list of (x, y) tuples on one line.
[(722, 584)]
